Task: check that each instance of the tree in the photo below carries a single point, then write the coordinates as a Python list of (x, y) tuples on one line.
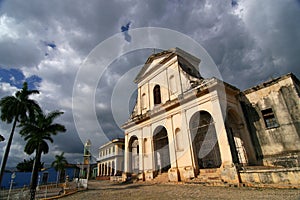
[(27, 165), (59, 165), (16, 109), (37, 132)]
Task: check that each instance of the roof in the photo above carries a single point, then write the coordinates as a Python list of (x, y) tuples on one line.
[(186, 61), (116, 140), (272, 82)]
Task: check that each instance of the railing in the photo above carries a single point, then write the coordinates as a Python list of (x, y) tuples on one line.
[(14, 194), (43, 191)]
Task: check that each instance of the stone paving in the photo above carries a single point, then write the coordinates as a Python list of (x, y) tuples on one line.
[(146, 190)]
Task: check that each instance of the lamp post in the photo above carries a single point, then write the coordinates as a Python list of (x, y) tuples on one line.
[(13, 176), (38, 183)]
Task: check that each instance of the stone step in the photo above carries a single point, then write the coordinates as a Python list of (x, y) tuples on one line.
[(209, 180), (161, 178), (207, 183), (209, 173), (209, 176)]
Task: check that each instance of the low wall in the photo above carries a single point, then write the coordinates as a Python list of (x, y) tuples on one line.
[(102, 178), (116, 178), (285, 177)]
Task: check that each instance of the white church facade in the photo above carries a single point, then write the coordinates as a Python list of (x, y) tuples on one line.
[(188, 126), (179, 126)]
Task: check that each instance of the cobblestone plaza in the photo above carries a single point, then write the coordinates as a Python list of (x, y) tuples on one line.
[(146, 190)]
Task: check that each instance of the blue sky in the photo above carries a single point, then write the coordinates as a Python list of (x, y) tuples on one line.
[(45, 43), (15, 77)]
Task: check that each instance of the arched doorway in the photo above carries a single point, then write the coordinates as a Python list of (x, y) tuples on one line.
[(161, 149), (233, 128), (134, 154), (204, 140)]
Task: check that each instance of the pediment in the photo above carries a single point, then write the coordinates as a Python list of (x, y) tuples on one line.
[(186, 61), (154, 61)]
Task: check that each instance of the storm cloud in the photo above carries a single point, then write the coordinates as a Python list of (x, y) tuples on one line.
[(249, 40)]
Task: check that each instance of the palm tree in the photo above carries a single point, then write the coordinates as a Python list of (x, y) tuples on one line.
[(27, 165), (59, 165), (37, 132), (16, 109)]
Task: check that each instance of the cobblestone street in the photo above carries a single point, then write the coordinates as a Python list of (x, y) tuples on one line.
[(109, 190)]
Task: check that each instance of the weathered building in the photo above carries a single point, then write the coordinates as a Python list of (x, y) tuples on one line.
[(272, 112), (191, 127), (273, 118), (111, 158)]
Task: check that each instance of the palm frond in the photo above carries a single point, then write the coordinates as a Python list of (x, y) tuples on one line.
[(39, 130), (52, 115)]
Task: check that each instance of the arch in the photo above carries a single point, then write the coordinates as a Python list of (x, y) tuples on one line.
[(133, 154), (179, 139), (234, 127), (103, 169), (204, 141), (100, 170), (173, 86), (157, 95), (145, 151), (161, 149), (144, 101)]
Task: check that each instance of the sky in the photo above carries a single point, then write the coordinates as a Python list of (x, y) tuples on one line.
[(47, 43)]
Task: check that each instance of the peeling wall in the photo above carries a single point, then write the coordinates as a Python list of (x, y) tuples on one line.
[(277, 145), (287, 177)]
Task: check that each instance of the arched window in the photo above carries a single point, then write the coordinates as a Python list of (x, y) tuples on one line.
[(173, 87), (179, 140), (144, 101), (145, 146), (156, 95)]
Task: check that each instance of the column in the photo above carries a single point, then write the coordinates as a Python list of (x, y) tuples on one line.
[(109, 168), (126, 155), (224, 147), (100, 170), (141, 154), (171, 139), (229, 172), (116, 168), (113, 168)]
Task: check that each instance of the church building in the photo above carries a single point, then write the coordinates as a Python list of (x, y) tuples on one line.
[(191, 127)]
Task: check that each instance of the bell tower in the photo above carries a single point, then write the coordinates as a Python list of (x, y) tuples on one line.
[(85, 171), (87, 152)]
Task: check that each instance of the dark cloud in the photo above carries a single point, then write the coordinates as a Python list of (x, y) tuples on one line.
[(250, 41), (19, 53)]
